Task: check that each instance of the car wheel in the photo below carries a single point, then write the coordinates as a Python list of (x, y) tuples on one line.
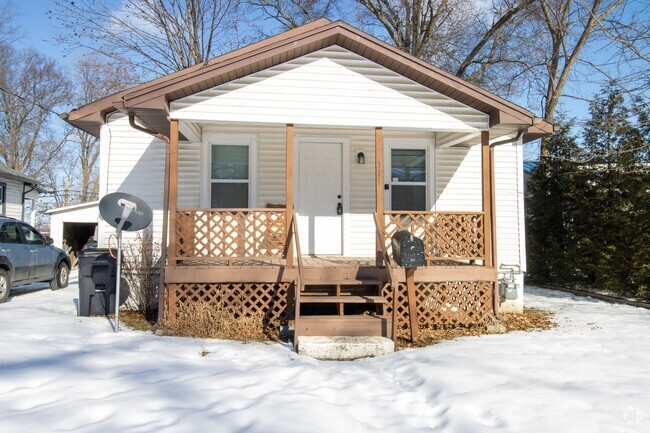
[(5, 286), (61, 277)]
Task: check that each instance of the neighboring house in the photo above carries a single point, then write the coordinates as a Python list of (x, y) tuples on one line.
[(15, 188), (361, 139)]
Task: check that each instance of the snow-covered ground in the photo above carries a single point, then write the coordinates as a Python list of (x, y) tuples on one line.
[(60, 372)]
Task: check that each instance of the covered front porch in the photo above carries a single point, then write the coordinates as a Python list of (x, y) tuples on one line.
[(256, 260)]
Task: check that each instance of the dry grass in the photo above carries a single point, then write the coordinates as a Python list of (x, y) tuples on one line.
[(529, 320), (202, 320), (135, 320)]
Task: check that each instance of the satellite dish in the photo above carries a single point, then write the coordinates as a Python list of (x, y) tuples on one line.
[(125, 210)]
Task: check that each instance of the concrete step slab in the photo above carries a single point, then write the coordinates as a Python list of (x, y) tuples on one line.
[(339, 348)]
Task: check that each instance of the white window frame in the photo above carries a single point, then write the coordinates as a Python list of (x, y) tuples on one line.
[(428, 145), (228, 139)]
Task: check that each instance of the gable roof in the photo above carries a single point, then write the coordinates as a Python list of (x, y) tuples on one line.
[(150, 101)]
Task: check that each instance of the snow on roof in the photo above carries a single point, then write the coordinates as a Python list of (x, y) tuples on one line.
[(5, 170), (72, 207)]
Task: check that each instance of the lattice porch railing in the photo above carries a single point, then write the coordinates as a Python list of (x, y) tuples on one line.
[(457, 236), (229, 233)]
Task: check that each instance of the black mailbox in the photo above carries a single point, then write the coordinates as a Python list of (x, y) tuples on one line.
[(408, 250)]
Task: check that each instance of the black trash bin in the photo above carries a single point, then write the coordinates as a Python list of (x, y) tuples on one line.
[(97, 278)]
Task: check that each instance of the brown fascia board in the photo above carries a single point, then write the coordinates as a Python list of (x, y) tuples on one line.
[(502, 111), (450, 81), (227, 67), (97, 110)]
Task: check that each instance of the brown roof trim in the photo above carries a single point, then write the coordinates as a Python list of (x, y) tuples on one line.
[(155, 94)]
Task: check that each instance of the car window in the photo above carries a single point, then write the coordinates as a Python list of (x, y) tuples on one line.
[(9, 234), (31, 236)]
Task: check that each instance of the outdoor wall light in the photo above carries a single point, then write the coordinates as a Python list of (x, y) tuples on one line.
[(361, 158)]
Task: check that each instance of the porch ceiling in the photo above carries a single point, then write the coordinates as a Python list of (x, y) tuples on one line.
[(192, 131)]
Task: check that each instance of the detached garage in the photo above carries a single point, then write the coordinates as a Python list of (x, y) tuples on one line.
[(72, 226)]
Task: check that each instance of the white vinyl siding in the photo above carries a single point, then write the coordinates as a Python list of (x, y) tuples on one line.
[(458, 179), (134, 162), (13, 197), (509, 204), (330, 87)]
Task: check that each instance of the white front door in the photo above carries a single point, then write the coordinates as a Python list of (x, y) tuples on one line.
[(320, 191)]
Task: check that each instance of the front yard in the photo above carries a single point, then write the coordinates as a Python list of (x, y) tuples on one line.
[(60, 372)]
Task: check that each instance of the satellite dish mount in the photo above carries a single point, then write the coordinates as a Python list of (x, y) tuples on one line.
[(124, 212)]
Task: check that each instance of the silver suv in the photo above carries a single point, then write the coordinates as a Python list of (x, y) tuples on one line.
[(27, 257)]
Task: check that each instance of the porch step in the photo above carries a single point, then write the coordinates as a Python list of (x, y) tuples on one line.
[(344, 326), (320, 299), (344, 348)]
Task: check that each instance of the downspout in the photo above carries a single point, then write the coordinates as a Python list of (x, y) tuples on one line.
[(509, 140), (165, 221), (493, 201)]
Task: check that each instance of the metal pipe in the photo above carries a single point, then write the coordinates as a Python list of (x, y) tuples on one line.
[(165, 221)]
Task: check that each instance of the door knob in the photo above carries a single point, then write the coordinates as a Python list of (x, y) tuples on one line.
[(339, 209)]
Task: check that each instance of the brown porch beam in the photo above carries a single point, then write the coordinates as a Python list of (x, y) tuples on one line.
[(173, 189), (289, 191), (379, 191), (239, 274)]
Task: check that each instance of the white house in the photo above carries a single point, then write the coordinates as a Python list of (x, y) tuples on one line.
[(15, 188), (361, 140)]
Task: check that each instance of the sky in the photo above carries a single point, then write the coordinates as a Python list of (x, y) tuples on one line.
[(38, 31)]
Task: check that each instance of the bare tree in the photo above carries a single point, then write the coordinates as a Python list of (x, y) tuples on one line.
[(154, 36), (8, 32), (95, 79), (574, 25), (412, 25), (293, 13), (31, 88)]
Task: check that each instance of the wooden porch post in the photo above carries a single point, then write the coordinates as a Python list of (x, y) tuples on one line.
[(173, 189), (379, 191), (489, 213), (486, 168), (289, 191)]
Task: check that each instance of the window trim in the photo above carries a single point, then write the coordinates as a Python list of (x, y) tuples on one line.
[(428, 145), (228, 139)]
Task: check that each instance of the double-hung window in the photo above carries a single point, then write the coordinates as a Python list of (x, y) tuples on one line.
[(408, 178), (232, 171)]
